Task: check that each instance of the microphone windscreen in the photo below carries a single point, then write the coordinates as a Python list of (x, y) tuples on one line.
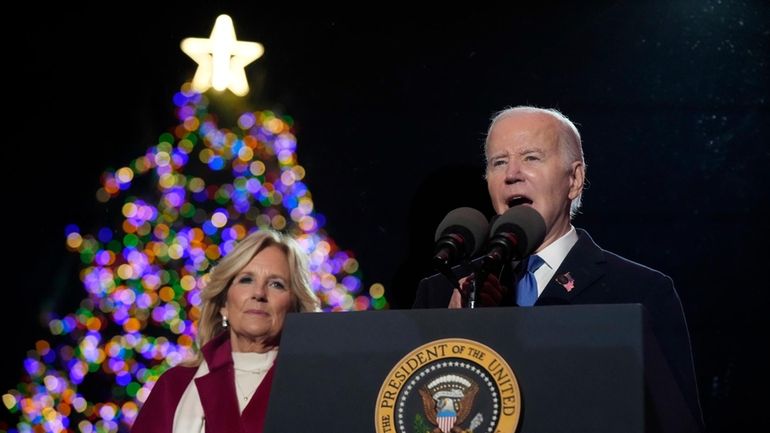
[(526, 223), (469, 223)]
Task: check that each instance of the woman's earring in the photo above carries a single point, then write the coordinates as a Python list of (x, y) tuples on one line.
[(224, 322)]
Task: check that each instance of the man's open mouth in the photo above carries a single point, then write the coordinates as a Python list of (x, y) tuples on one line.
[(518, 200)]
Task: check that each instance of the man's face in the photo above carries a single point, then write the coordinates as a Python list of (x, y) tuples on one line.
[(526, 166)]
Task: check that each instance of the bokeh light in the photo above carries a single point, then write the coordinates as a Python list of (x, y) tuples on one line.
[(209, 187)]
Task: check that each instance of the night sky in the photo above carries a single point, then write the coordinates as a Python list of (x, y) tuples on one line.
[(672, 100)]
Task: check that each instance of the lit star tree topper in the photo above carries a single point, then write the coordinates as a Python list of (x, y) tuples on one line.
[(222, 58), (174, 211)]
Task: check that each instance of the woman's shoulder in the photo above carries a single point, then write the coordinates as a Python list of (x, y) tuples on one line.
[(173, 382), (179, 375), (157, 413)]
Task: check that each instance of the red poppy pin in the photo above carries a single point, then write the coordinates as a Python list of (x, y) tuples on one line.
[(566, 281)]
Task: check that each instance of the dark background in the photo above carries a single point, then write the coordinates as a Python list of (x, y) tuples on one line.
[(391, 106)]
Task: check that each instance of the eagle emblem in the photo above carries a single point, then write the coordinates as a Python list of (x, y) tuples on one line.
[(447, 401), (451, 385)]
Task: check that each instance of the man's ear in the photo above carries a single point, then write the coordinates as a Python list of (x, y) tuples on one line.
[(577, 177)]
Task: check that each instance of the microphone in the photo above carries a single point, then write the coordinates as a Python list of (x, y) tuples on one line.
[(459, 236), (515, 234)]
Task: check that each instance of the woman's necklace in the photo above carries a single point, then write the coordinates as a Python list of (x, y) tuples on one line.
[(250, 369), (243, 395), (251, 372)]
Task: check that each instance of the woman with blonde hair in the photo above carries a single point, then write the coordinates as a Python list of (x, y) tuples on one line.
[(226, 386)]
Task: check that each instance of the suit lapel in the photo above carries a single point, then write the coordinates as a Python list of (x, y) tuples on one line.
[(217, 389), (582, 267), (254, 412), (508, 278), (218, 397)]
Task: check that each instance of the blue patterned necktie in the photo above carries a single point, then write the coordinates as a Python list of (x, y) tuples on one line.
[(526, 289)]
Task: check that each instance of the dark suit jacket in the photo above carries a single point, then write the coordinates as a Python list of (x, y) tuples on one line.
[(601, 277)]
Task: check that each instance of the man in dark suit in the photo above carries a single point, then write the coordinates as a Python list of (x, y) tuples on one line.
[(535, 158)]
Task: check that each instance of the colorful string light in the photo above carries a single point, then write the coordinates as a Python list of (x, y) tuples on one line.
[(142, 277)]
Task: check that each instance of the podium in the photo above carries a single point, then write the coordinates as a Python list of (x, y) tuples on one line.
[(581, 368)]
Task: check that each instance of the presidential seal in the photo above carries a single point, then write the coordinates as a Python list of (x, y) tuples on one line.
[(451, 385)]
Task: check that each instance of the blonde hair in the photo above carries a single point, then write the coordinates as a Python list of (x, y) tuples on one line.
[(570, 142), (214, 294)]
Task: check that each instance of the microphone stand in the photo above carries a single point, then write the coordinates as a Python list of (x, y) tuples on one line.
[(480, 272), (472, 294)]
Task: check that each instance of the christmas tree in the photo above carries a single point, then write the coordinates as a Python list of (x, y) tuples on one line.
[(180, 207)]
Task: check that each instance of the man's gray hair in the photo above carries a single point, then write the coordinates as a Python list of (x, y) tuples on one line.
[(569, 139)]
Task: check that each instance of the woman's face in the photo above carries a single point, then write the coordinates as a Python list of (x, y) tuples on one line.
[(258, 300)]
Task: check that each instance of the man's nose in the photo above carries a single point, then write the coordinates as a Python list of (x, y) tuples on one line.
[(512, 172)]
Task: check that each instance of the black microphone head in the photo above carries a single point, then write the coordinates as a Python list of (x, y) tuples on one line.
[(528, 226), (493, 220), (468, 223)]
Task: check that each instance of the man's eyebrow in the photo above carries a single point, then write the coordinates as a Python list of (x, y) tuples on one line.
[(527, 150)]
